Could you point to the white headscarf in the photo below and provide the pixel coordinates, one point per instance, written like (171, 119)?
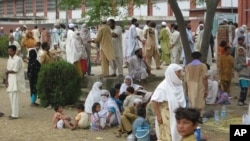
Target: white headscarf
(124, 86)
(85, 34)
(171, 90)
(93, 97)
(106, 105)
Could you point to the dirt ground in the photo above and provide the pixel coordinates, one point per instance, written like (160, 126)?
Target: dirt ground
(35, 123)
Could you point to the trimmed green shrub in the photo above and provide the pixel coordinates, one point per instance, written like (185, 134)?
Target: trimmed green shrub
(58, 83)
(4, 42)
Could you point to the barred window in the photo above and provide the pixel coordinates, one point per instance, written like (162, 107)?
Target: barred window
(29, 6)
(1, 8)
(39, 5)
(19, 7)
(9, 7)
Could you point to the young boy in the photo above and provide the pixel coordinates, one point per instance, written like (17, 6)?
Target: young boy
(60, 120)
(226, 70)
(187, 121)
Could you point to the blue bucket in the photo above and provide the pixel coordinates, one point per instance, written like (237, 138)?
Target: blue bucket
(142, 134)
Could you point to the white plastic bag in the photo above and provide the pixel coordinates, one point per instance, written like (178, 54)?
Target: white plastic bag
(131, 137)
(246, 117)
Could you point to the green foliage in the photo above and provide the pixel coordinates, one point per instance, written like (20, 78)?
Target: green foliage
(4, 41)
(98, 9)
(58, 83)
(68, 4)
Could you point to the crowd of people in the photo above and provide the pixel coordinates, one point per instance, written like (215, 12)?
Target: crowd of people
(130, 105)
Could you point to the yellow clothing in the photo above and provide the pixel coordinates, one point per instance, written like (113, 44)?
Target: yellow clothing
(195, 76)
(226, 67)
(164, 129)
(78, 66)
(165, 43)
(151, 49)
(104, 38)
(127, 119)
(83, 120)
(46, 58)
(189, 138)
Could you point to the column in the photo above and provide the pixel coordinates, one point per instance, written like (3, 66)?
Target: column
(150, 8)
(69, 14)
(240, 12)
(34, 7)
(170, 11)
(45, 10)
(14, 8)
(24, 8)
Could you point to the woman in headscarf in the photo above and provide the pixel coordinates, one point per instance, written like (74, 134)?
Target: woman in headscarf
(33, 70)
(93, 97)
(109, 114)
(76, 52)
(168, 96)
(85, 35)
(128, 82)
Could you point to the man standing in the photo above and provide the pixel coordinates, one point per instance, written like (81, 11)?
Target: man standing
(13, 42)
(68, 43)
(132, 38)
(176, 45)
(36, 34)
(190, 41)
(165, 44)
(116, 32)
(15, 82)
(104, 38)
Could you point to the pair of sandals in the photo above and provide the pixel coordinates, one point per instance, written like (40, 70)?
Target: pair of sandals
(242, 103)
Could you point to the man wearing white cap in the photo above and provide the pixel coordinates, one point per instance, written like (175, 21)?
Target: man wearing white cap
(137, 68)
(176, 45)
(104, 38)
(128, 117)
(165, 44)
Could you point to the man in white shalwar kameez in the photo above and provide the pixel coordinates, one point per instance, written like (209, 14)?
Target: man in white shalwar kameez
(15, 81)
(69, 38)
(55, 35)
(132, 39)
(137, 68)
(116, 32)
(176, 45)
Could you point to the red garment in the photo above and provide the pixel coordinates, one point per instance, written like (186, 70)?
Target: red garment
(84, 65)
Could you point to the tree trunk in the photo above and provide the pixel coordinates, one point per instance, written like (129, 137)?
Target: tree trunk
(210, 12)
(182, 27)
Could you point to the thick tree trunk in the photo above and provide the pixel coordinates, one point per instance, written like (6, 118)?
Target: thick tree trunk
(211, 8)
(182, 27)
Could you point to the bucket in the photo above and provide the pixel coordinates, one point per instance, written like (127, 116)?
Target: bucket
(142, 134)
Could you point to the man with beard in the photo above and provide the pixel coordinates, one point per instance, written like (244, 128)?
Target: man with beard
(137, 67)
(116, 32)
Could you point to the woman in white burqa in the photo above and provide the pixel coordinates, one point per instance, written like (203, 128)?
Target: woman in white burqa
(167, 97)
(93, 97)
(128, 82)
(109, 114)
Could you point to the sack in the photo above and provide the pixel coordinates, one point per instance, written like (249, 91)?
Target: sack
(131, 137)
(246, 119)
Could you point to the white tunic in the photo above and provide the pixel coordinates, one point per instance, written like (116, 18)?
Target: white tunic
(16, 80)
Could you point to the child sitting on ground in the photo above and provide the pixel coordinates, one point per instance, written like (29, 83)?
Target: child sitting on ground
(95, 119)
(61, 121)
(223, 97)
(82, 119)
(187, 121)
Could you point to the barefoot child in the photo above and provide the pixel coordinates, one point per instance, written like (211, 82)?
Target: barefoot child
(187, 121)
(81, 118)
(95, 119)
(61, 121)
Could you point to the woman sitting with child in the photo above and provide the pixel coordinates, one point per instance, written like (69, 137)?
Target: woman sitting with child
(109, 113)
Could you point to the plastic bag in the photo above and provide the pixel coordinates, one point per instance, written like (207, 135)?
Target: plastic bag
(246, 117)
